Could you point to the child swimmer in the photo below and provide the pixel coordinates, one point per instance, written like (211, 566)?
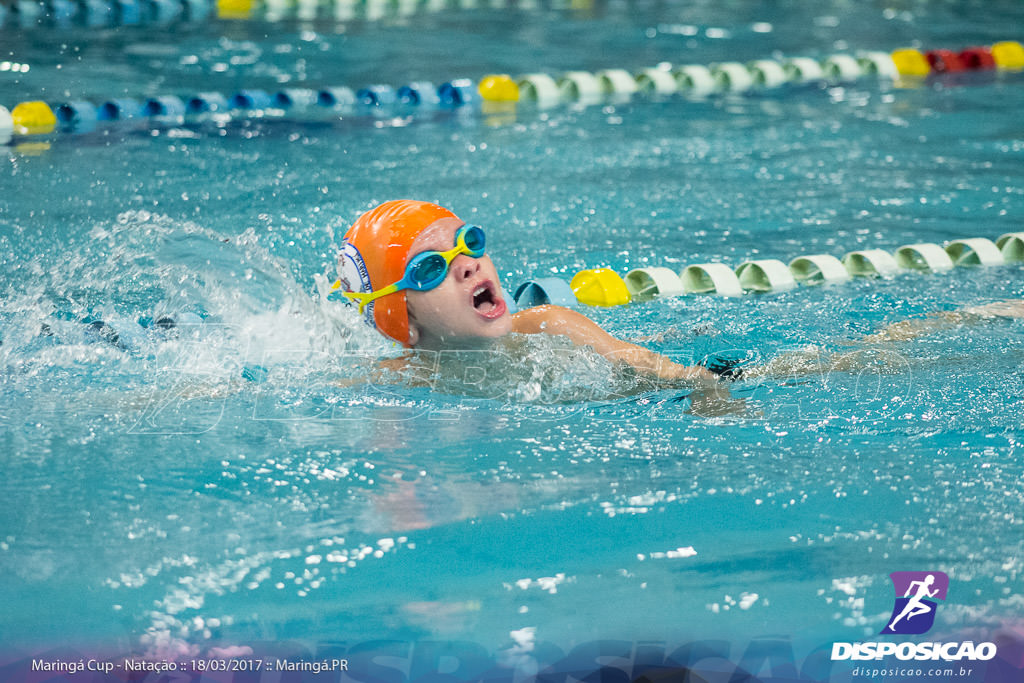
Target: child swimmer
(421, 277)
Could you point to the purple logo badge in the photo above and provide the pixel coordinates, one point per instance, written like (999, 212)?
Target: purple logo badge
(916, 596)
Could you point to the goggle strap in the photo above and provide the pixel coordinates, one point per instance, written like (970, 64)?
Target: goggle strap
(366, 297)
(360, 297)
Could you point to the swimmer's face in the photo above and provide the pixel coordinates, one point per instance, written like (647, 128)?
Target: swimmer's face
(467, 307)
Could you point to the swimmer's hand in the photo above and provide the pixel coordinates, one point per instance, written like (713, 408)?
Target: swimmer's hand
(1010, 308)
(585, 332)
(727, 367)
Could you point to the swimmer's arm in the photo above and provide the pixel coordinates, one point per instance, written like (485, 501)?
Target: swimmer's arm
(406, 369)
(906, 330)
(585, 332)
(386, 371)
(388, 365)
(813, 360)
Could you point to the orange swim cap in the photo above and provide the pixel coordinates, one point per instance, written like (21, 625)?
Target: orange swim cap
(375, 253)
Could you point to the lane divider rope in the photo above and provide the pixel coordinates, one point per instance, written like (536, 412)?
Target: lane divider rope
(499, 93)
(605, 287)
(29, 14)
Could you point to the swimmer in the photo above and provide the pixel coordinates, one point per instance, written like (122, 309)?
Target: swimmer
(421, 276)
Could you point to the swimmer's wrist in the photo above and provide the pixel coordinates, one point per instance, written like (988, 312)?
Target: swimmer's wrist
(704, 375)
(691, 373)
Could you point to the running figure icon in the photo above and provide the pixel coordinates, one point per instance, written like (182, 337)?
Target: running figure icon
(916, 596)
(915, 607)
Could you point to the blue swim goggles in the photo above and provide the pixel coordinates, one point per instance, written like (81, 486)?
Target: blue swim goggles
(428, 269)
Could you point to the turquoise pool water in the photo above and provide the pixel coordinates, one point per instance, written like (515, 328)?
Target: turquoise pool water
(234, 481)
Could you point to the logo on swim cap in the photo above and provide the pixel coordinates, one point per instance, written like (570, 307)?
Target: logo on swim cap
(353, 275)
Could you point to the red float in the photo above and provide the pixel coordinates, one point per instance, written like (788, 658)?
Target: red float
(944, 61)
(977, 58)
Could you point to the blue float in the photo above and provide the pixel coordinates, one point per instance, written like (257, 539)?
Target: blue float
(457, 93)
(419, 94)
(168, 105)
(163, 11)
(98, 13)
(77, 117)
(545, 290)
(129, 12)
(196, 9)
(119, 109)
(336, 97)
(296, 97)
(28, 12)
(376, 96)
(206, 102)
(250, 99)
(62, 11)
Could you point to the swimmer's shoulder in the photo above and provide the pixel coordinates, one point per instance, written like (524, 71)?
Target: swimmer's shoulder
(536, 319)
(554, 319)
(566, 322)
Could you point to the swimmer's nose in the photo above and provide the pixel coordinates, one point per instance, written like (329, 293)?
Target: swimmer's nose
(465, 267)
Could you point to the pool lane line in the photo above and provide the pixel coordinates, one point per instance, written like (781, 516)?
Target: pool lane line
(30, 14)
(605, 287)
(907, 67)
(499, 93)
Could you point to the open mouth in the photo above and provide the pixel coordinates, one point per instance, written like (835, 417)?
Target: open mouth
(486, 300)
